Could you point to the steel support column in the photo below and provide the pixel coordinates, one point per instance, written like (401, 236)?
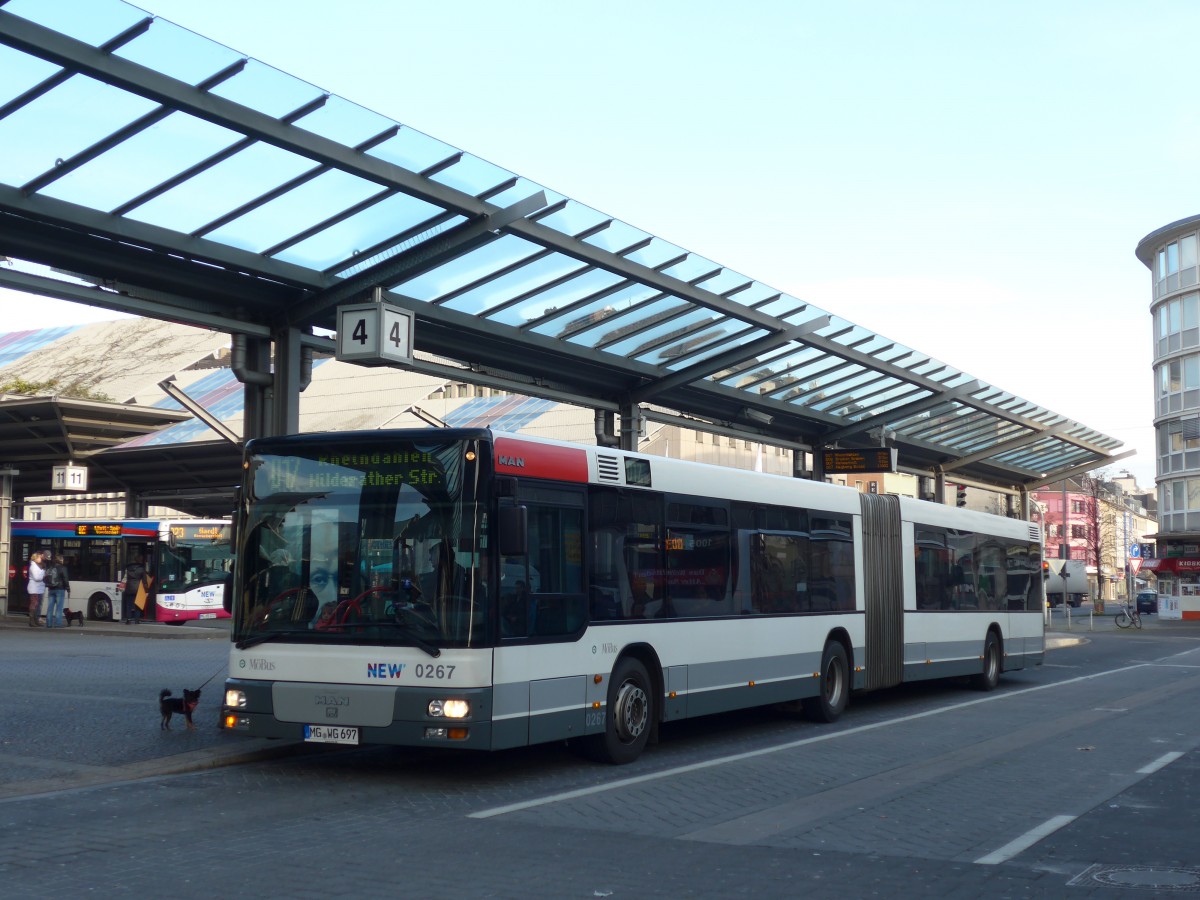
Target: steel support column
(288, 381)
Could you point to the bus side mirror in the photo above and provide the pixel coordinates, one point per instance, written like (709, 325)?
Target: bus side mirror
(512, 530)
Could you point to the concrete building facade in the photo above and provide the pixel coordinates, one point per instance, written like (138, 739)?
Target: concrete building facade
(1172, 254)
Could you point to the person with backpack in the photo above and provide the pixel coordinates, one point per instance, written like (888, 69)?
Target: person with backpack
(58, 585)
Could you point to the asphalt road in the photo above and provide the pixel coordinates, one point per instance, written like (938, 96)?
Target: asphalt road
(1076, 779)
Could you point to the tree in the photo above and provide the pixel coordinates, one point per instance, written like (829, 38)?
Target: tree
(1100, 526)
(52, 387)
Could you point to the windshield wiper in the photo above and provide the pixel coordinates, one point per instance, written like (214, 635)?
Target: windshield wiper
(418, 641)
(261, 638)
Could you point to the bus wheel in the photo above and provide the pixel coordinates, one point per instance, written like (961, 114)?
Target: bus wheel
(100, 607)
(630, 715)
(990, 676)
(834, 694)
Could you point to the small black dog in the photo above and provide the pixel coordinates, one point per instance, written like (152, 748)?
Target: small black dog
(73, 615)
(169, 705)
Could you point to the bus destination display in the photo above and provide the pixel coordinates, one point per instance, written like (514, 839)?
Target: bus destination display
(866, 459)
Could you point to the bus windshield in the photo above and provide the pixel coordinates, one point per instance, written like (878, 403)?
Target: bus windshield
(375, 544)
(195, 555)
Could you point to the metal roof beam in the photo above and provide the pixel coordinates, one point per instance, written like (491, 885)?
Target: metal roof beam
(1015, 443)
(727, 359)
(909, 409)
(421, 258)
(173, 307)
(1058, 475)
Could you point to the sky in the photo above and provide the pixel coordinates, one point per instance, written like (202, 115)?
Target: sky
(969, 180)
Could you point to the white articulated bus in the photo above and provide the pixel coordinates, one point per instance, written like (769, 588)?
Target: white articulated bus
(466, 588)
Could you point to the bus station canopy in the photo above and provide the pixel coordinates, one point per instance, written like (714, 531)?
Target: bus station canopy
(147, 169)
(38, 432)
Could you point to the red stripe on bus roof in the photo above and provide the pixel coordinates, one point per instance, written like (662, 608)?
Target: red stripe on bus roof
(535, 460)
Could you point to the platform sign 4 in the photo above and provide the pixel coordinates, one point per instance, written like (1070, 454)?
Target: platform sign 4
(374, 334)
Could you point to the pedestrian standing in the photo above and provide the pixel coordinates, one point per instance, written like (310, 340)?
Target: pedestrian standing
(134, 574)
(36, 588)
(58, 586)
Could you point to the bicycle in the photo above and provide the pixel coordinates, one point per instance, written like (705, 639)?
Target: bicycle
(1127, 617)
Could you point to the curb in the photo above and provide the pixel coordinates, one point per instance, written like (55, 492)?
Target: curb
(252, 750)
(182, 631)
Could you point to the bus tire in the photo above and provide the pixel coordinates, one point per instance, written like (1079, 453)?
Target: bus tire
(834, 689)
(630, 715)
(990, 676)
(100, 608)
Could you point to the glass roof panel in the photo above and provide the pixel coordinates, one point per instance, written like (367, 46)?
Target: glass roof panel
(675, 338)
(458, 273)
(656, 253)
(359, 263)
(61, 123)
(19, 72)
(267, 90)
(472, 175)
(545, 302)
(347, 123)
(519, 191)
(755, 294)
(727, 281)
(692, 268)
(772, 366)
(594, 311)
(353, 236)
(500, 289)
(713, 341)
(177, 52)
(85, 20)
(227, 185)
(142, 162)
(626, 328)
(574, 218)
(616, 238)
(313, 201)
(412, 150)
(790, 309)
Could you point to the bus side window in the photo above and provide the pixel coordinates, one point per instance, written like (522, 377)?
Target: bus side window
(606, 568)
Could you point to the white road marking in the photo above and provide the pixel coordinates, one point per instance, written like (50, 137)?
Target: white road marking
(1025, 841)
(790, 745)
(1165, 760)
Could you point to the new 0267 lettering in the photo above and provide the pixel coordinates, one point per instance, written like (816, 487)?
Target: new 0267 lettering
(467, 588)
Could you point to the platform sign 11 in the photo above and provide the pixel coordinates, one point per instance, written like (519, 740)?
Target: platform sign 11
(69, 478)
(374, 334)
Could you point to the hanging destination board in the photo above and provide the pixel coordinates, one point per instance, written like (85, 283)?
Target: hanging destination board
(866, 459)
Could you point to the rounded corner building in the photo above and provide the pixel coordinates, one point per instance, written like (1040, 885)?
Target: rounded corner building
(1172, 255)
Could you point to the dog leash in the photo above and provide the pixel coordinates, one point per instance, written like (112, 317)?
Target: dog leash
(212, 676)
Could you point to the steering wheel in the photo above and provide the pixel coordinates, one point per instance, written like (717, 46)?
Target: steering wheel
(283, 595)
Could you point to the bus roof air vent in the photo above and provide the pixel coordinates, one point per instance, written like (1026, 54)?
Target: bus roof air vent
(608, 468)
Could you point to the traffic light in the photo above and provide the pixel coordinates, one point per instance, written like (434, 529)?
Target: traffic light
(962, 495)
(1045, 568)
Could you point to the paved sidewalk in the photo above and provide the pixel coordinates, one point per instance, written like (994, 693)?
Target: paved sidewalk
(209, 630)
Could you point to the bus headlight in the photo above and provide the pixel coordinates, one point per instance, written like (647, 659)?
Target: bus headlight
(450, 709)
(235, 699)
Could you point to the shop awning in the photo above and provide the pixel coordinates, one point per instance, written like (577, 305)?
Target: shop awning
(1172, 566)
